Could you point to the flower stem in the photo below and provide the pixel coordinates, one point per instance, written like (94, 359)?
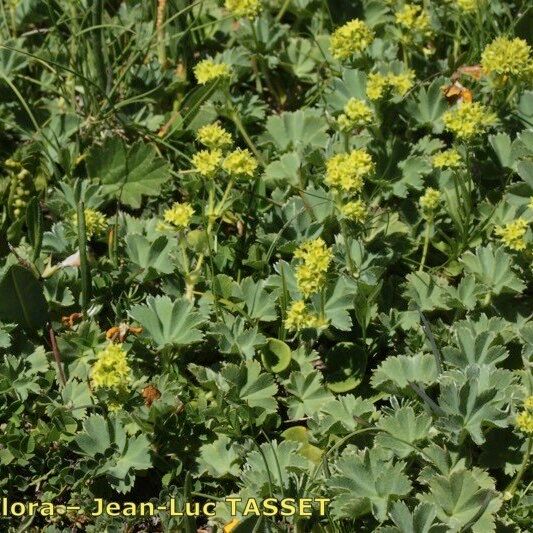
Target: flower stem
(426, 246)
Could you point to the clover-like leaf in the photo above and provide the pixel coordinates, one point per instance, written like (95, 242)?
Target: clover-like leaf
(366, 482)
(219, 458)
(168, 322)
(403, 428)
(493, 269)
(150, 257)
(127, 172)
(461, 499)
(297, 130)
(400, 370)
(307, 394)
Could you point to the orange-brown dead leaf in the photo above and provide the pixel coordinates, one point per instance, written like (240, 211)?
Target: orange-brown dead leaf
(69, 320)
(150, 393)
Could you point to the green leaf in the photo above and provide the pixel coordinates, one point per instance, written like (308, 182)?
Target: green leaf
(167, 322)
(123, 454)
(219, 459)
(259, 304)
(501, 143)
(403, 427)
(474, 399)
(474, 346)
(427, 291)
(366, 482)
(352, 85)
(400, 370)
(298, 130)
(22, 299)
(345, 366)
(421, 520)
(459, 499)
(307, 394)
(276, 355)
(284, 171)
(127, 172)
(429, 105)
(525, 171)
(339, 416)
(493, 268)
(151, 257)
(272, 466)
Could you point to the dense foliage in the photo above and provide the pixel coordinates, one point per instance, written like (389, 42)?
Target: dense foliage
(268, 249)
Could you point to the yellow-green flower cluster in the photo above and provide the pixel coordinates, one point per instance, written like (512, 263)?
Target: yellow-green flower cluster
(356, 114)
(378, 84)
(512, 234)
(311, 273)
(351, 38)
(20, 192)
(207, 70)
(355, 210)
(468, 120)
(507, 59)
(347, 171)
(179, 215)
(447, 159)
(95, 222)
(415, 19)
(214, 136)
(244, 8)
(206, 162)
(298, 317)
(111, 369)
(430, 200)
(240, 162)
(524, 420)
(468, 6)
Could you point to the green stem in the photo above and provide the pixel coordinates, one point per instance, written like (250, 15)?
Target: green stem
(284, 8)
(426, 245)
(84, 266)
(512, 487)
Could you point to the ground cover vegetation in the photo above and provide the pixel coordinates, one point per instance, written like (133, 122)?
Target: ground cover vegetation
(275, 248)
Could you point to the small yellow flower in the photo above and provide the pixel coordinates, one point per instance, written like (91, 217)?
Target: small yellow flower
(95, 222)
(207, 70)
(415, 19)
(401, 83)
(355, 210)
(468, 6)
(347, 171)
(528, 403)
(298, 317)
(111, 369)
(447, 159)
(311, 274)
(206, 162)
(468, 120)
(351, 38)
(214, 136)
(179, 215)
(430, 200)
(376, 85)
(524, 422)
(244, 8)
(512, 234)
(530, 205)
(507, 59)
(240, 162)
(356, 114)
